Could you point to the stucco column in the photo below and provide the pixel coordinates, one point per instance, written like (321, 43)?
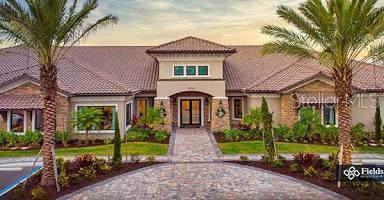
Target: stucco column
(165, 103)
(219, 121)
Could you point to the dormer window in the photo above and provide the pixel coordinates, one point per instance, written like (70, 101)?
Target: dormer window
(190, 70)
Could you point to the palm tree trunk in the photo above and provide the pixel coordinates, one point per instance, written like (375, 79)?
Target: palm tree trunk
(344, 95)
(48, 88)
(86, 137)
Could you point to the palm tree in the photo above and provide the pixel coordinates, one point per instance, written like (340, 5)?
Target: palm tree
(45, 26)
(87, 118)
(336, 33)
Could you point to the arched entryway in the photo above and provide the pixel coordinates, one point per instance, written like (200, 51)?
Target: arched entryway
(191, 109)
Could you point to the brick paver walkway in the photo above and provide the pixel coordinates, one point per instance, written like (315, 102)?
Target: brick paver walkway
(193, 145)
(194, 173)
(203, 181)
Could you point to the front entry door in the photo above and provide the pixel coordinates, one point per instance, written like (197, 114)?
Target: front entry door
(190, 112)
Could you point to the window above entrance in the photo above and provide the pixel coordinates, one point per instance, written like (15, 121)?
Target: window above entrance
(191, 70)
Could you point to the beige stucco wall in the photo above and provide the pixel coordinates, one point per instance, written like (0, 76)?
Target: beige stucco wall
(166, 88)
(273, 102)
(215, 69)
(363, 109)
(118, 101)
(213, 60)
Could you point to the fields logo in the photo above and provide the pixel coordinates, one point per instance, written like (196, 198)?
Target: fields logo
(351, 173)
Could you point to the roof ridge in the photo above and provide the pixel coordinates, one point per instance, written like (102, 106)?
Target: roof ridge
(87, 67)
(190, 37)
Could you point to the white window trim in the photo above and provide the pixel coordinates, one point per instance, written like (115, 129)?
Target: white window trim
(179, 109)
(233, 108)
(185, 71)
(125, 114)
(89, 105)
(9, 123)
(336, 117)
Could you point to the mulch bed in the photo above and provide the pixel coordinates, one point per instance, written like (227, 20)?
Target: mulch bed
(346, 189)
(52, 194)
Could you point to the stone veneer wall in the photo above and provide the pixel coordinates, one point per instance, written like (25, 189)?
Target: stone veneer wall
(168, 118)
(219, 124)
(289, 114)
(3, 121)
(62, 104)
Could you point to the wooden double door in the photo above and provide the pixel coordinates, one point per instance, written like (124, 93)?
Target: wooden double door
(190, 112)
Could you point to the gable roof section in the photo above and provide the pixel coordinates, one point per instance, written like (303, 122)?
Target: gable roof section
(73, 79)
(191, 45)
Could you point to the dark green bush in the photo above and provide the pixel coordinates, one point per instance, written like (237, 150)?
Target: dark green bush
(137, 134)
(233, 134)
(39, 194)
(357, 132)
(310, 171)
(161, 135)
(63, 137)
(282, 133)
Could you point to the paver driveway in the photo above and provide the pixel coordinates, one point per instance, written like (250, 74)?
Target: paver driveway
(193, 174)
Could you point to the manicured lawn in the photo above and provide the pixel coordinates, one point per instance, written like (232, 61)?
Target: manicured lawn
(142, 148)
(256, 147)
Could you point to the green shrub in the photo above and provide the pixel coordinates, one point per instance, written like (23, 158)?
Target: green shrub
(253, 118)
(135, 158)
(357, 132)
(74, 178)
(282, 132)
(38, 194)
(88, 173)
(321, 162)
(294, 167)
(14, 139)
(328, 176)
(277, 163)
(233, 134)
(161, 135)
(310, 171)
(333, 134)
(137, 134)
(63, 179)
(18, 193)
(151, 159)
(3, 137)
(244, 158)
(64, 137)
(153, 118)
(299, 131)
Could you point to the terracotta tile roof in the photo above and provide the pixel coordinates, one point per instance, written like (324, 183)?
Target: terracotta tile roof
(191, 45)
(88, 70)
(20, 102)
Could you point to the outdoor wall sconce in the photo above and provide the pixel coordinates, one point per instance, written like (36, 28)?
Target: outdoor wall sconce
(162, 109)
(220, 111)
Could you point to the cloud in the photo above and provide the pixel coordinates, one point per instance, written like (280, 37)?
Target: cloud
(151, 22)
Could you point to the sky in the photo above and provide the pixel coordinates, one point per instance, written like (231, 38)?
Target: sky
(152, 22)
